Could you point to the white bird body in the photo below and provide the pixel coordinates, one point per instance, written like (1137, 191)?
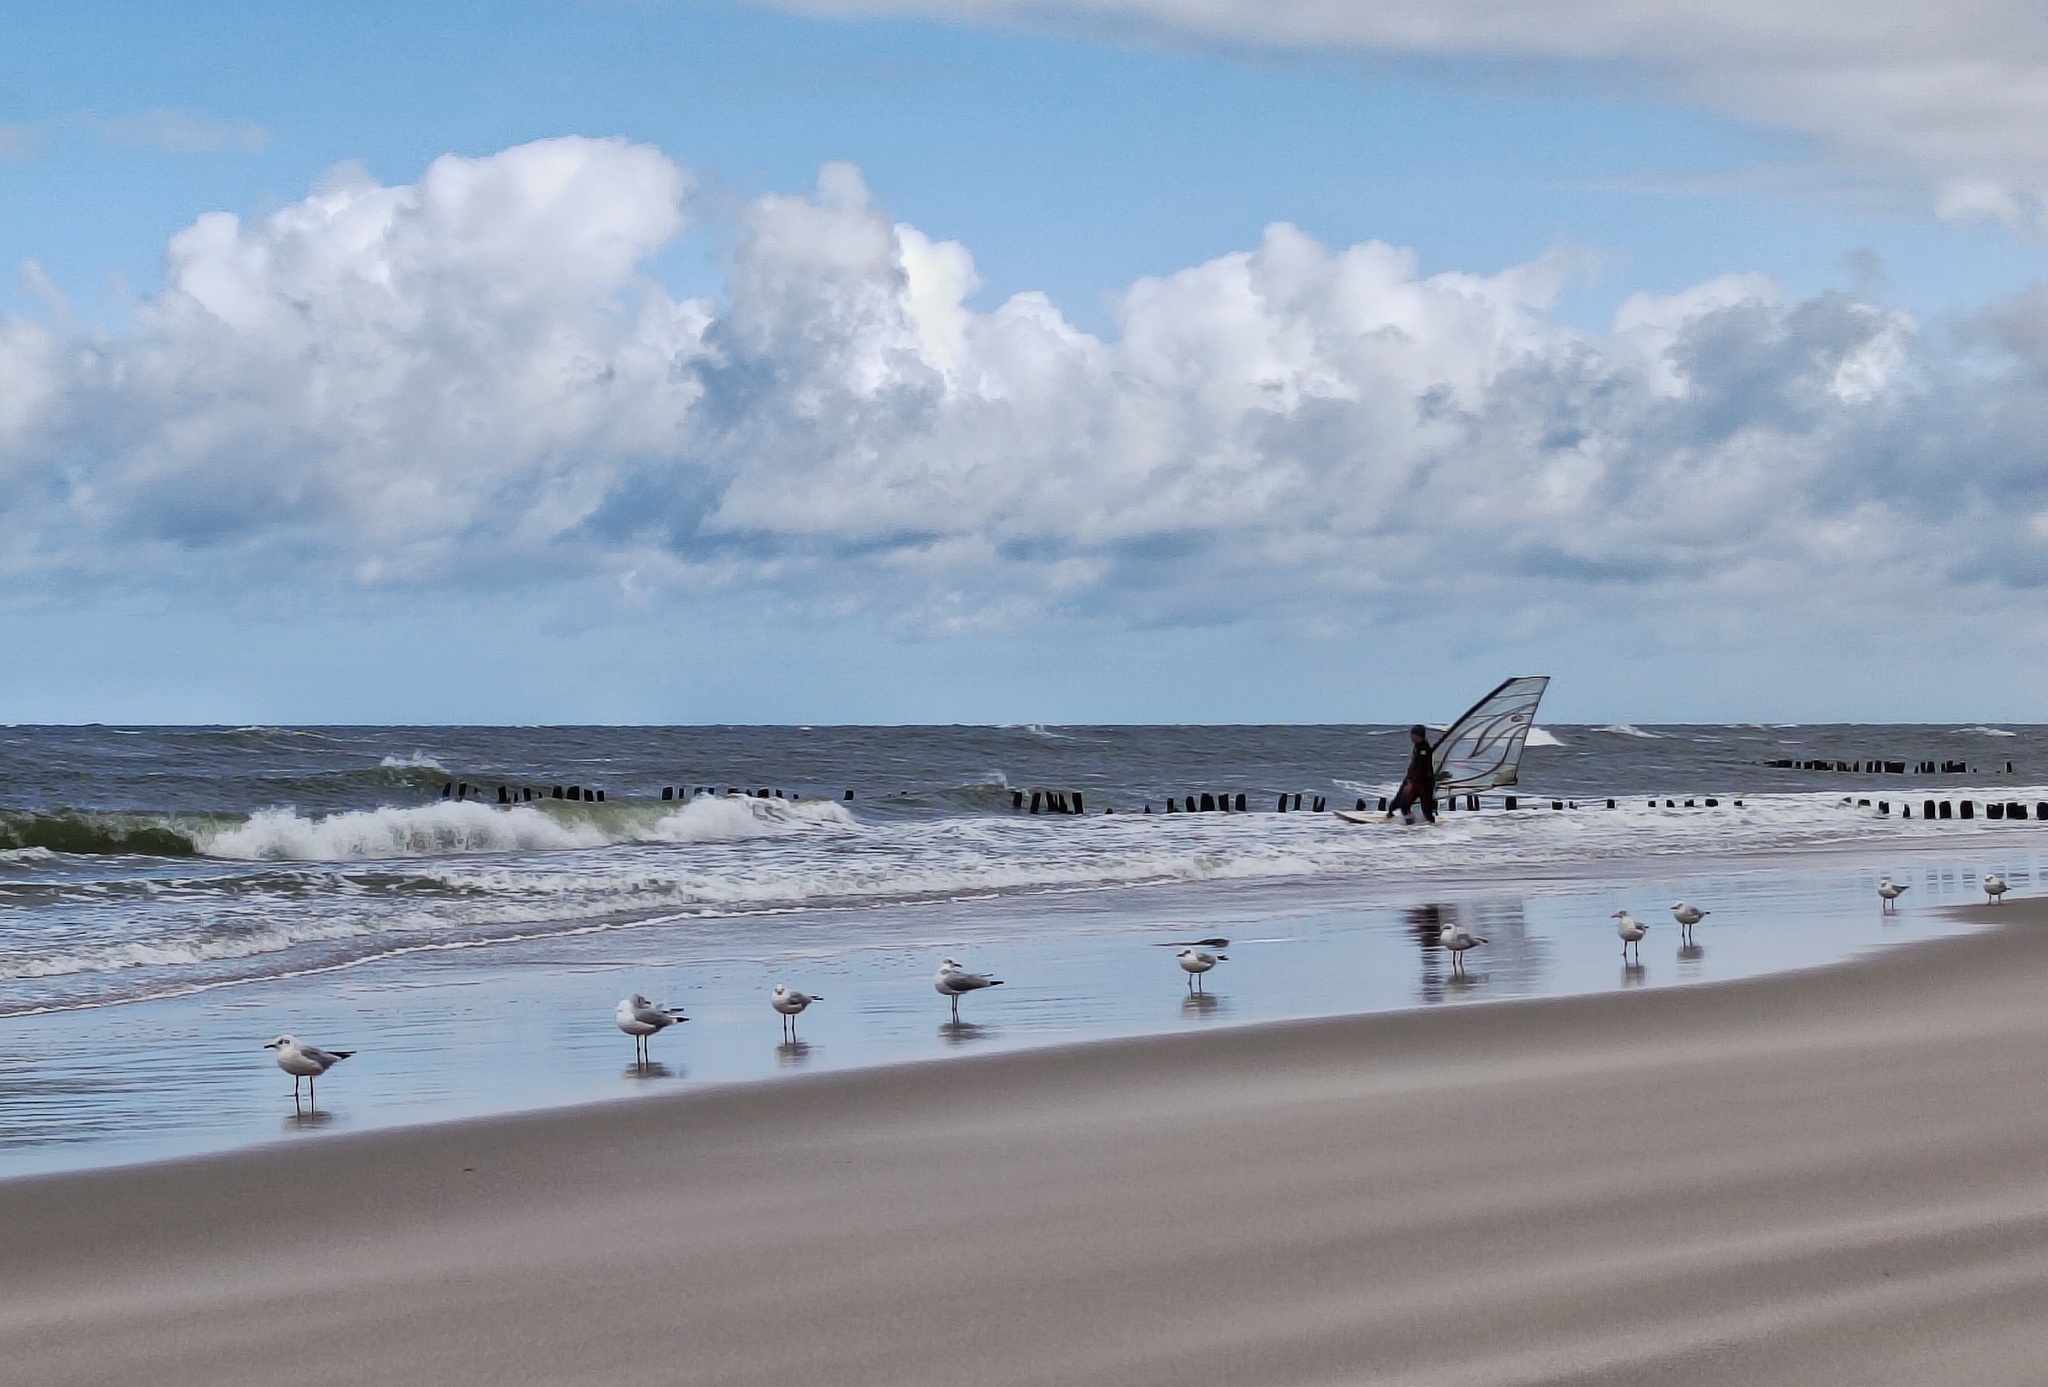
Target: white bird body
(1688, 916)
(1195, 962)
(306, 1062)
(789, 1001)
(1458, 940)
(1631, 931)
(1891, 891)
(954, 982)
(1994, 887)
(640, 1018)
(791, 1004)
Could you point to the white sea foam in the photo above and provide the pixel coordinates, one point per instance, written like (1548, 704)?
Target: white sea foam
(418, 761)
(459, 827)
(731, 858)
(428, 830)
(1625, 730)
(1541, 736)
(724, 819)
(1988, 731)
(26, 855)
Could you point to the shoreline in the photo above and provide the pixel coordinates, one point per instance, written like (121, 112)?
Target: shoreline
(476, 1032)
(1223, 1036)
(1829, 1175)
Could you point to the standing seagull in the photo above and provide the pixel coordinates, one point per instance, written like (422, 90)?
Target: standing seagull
(1994, 887)
(1195, 962)
(306, 1062)
(952, 982)
(791, 1004)
(1688, 916)
(640, 1018)
(1891, 891)
(1631, 931)
(1457, 941)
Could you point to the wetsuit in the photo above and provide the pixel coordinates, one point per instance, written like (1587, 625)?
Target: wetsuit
(1418, 787)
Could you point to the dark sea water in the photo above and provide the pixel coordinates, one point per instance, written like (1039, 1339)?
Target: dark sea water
(170, 898)
(140, 861)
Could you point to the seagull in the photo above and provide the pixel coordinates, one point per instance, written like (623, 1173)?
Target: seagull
(952, 982)
(1688, 916)
(640, 1018)
(1457, 941)
(1195, 962)
(1994, 887)
(791, 1004)
(1631, 931)
(306, 1062)
(1891, 891)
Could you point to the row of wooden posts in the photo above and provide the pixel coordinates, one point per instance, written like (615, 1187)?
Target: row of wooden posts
(524, 794)
(1878, 767)
(1071, 801)
(1961, 809)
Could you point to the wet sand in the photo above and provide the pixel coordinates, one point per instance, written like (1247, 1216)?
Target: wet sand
(1837, 1176)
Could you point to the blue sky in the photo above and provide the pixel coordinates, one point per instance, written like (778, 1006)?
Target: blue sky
(213, 547)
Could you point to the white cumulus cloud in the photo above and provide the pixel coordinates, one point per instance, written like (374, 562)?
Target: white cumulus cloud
(472, 380)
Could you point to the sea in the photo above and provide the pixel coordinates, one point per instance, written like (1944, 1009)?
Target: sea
(464, 906)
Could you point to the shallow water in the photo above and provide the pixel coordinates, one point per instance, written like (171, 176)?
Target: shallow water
(460, 1032)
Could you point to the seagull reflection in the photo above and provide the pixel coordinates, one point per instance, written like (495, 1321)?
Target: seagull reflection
(962, 1032)
(1632, 975)
(649, 1069)
(1200, 1004)
(1691, 953)
(302, 1121)
(791, 1053)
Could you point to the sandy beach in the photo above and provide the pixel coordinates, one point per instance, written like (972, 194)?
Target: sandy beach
(1834, 1176)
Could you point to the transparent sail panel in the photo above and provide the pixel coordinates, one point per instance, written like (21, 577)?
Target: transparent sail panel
(1483, 749)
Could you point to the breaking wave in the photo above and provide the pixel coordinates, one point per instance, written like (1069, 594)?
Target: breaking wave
(453, 828)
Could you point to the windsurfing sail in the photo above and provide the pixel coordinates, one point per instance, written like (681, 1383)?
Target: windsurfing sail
(1483, 749)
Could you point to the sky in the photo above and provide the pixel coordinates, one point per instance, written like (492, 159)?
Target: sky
(950, 361)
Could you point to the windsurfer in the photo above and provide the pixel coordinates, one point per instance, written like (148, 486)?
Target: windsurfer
(1418, 787)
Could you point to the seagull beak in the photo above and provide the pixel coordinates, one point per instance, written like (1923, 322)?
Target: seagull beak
(271, 1045)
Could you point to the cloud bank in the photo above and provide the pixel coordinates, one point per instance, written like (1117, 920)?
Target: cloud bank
(473, 381)
(1952, 95)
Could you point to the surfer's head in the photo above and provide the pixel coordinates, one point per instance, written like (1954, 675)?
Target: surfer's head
(1419, 732)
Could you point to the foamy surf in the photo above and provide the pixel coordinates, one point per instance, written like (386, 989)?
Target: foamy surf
(453, 828)
(131, 863)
